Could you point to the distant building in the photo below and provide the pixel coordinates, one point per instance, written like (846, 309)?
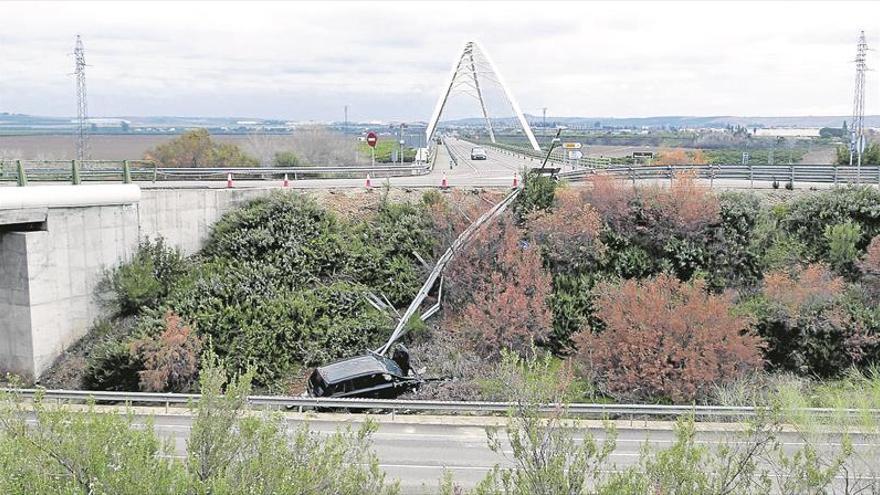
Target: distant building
(108, 123)
(787, 132)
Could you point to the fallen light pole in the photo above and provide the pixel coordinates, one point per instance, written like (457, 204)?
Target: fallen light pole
(444, 260)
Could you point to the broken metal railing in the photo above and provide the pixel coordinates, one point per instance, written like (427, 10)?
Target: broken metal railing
(444, 260)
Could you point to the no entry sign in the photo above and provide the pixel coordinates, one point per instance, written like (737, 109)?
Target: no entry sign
(372, 139)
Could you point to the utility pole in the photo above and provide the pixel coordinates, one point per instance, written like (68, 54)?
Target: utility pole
(858, 120)
(82, 112)
(544, 122)
(400, 142)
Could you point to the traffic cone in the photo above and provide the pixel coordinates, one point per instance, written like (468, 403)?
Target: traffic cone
(443, 183)
(229, 180)
(286, 183)
(515, 181)
(369, 184)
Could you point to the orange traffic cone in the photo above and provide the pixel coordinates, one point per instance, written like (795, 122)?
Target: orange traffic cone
(286, 183)
(515, 181)
(229, 180)
(369, 184)
(443, 183)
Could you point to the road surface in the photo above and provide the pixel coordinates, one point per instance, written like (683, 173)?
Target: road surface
(417, 449)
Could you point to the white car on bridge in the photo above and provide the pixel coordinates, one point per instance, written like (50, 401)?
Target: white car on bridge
(478, 154)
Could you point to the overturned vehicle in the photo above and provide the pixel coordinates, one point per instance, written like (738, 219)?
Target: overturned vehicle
(371, 375)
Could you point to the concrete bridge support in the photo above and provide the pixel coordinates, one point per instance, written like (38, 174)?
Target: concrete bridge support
(57, 242)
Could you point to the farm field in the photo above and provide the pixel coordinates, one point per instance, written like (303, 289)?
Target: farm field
(103, 147)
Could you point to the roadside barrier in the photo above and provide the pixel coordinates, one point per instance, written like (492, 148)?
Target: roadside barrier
(656, 411)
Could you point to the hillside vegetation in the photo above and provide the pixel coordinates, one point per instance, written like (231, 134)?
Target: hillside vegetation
(671, 294)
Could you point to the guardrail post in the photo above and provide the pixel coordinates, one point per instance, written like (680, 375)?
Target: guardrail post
(632, 176)
(711, 176)
(835, 174)
(751, 177)
(791, 177)
(155, 171)
(126, 172)
(74, 173)
(22, 176)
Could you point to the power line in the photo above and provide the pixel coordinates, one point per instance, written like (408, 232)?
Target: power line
(82, 110)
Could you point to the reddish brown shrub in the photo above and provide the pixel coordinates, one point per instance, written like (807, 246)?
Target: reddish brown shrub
(666, 339)
(685, 207)
(571, 229)
(680, 156)
(453, 213)
(610, 197)
(815, 284)
(503, 288)
(870, 263)
(171, 360)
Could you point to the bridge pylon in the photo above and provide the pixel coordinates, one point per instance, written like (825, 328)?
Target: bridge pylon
(471, 72)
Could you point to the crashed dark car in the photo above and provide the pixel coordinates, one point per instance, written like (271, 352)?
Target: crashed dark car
(369, 376)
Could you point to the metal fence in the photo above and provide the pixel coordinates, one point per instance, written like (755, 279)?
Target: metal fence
(656, 411)
(23, 171)
(781, 174)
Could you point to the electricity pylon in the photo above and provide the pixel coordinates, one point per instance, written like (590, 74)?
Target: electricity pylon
(82, 110)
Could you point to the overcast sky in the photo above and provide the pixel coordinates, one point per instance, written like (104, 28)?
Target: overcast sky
(388, 60)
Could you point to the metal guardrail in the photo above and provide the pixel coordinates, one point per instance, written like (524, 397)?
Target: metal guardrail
(404, 405)
(783, 173)
(118, 171)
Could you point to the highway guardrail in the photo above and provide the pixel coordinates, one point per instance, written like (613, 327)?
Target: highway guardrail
(597, 410)
(782, 173)
(103, 170)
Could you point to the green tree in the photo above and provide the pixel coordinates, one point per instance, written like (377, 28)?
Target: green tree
(871, 156)
(195, 148)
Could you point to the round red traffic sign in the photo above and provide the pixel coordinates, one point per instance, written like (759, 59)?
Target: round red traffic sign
(372, 139)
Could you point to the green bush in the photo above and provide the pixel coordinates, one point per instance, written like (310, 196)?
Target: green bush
(843, 240)
(111, 366)
(147, 278)
(287, 230)
(808, 216)
(732, 260)
(286, 159)
(537, 194)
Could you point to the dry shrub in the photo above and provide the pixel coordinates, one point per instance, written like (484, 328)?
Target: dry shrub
(680, 156)
(610, 197)
(870, 268)
(666, 339)
(870, 264)
(815, 284)
(810, 323)
(451, 356)
(572, 228)
(502, 287)
(171, 360)
(451, 214)
(685, 207)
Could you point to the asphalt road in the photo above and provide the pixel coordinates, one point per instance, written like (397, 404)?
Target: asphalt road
(417, 449)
